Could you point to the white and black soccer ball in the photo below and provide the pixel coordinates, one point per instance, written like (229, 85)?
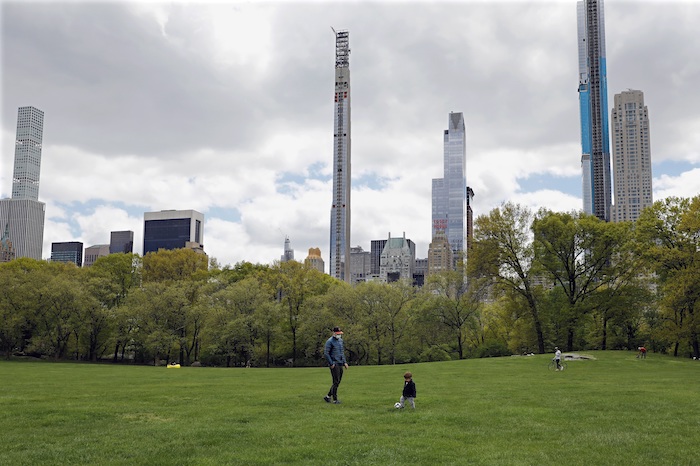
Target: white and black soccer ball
(397, 405)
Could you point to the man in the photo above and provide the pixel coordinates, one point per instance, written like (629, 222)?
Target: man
(642, 352)
(335, 355)
(557, 357)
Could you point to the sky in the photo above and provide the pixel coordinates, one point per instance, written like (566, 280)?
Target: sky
(227, 108)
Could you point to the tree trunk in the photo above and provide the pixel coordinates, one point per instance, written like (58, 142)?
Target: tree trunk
(604, 343)
(570, 339)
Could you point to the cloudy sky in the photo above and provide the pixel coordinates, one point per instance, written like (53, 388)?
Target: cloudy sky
(227, 108)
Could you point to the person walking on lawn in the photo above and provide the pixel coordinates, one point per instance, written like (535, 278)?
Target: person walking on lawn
(334, 352)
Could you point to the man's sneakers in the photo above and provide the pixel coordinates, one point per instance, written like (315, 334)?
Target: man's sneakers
(327, 399)
(336, 402)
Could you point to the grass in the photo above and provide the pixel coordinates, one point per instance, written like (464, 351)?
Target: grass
(614, 410)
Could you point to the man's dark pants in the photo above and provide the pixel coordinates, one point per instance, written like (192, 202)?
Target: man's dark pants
(337, 374)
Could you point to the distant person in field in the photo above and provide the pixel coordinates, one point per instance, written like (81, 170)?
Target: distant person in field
(409, 391)
(557, 357)
(642, 352)
(334, 351)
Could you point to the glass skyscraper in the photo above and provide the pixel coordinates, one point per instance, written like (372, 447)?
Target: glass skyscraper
(23, 214)
(449, 193)
(593, 102)
(340, 211)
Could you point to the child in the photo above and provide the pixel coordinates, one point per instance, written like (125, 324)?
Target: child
(409, 390)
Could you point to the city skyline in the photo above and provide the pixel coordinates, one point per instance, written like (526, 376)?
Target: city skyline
(224, 108)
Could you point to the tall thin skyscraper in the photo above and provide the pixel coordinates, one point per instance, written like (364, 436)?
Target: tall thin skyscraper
(449, 193)
(30, 133)
(593, 102)
(23, 215)
(340, 211)
(631, 156)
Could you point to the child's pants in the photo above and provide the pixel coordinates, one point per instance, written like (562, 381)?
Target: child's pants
(410, 400)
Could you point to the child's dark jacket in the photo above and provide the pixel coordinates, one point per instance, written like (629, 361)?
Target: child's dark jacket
(409, 389)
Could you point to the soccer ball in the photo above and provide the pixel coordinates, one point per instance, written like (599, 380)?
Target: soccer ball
(397, 405)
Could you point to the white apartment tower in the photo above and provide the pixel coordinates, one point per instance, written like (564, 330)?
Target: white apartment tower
(631, 156)
(23, 214)
(340, 211)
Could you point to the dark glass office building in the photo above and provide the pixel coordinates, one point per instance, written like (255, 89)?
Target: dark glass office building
(121, 241)
(172, 229)
(70, 251)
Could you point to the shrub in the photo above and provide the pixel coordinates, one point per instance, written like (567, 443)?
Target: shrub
(493, 349)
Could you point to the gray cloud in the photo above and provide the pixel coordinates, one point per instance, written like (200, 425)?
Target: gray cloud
(209, 106)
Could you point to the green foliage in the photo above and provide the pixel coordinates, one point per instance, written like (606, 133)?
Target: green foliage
(174, 265)
(531, 282)
(435, 353)
(668, 239)
(493, 349)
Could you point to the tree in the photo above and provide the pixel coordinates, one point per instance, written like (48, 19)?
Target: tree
(160, 310)
(369, 301)
(396, 307)
(108, 282)
(454, 304)
(669, 241)
(60, 294)
(174, 265)
(295, 283)
(583, 255)
(503, 251)
(19, 280)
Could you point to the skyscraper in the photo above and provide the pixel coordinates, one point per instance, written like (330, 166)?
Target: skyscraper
(23, 214)
(30, 133)
(376, 248)
(340, 211)
(449, 193)
(173, 229)
(631, 156)
(593, 103)
(288, 251)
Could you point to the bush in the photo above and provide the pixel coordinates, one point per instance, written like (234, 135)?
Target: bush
(435, 353)
(493, 349)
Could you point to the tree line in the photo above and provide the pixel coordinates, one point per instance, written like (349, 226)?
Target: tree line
(532, 280)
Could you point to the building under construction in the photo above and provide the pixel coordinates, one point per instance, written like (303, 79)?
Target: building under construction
(340, 211)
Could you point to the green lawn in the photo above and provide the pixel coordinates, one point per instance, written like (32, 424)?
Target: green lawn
(614, 410)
